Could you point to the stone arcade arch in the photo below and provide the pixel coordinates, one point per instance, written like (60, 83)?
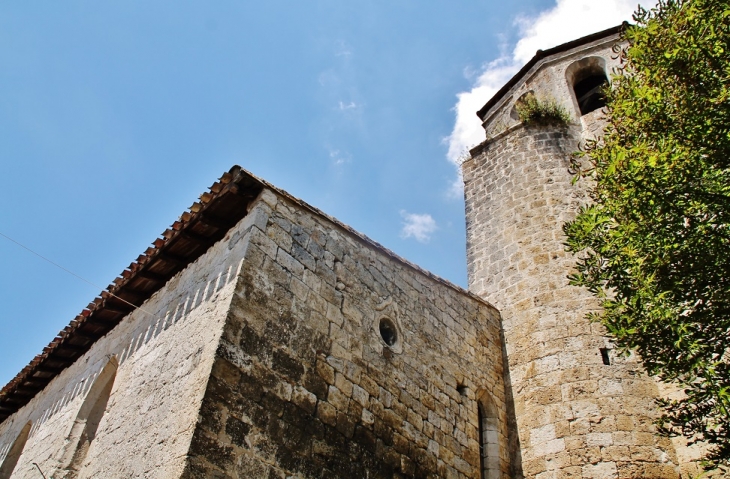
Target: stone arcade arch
(88, 419)
(11, 460)
(488, 421)
(587, 77)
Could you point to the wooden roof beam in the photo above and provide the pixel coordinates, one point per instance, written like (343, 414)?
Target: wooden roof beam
(215, 222)
(87, 335)
(196, 238)
(51, 369)
(153, 276)
(172, 258)
(118, 309)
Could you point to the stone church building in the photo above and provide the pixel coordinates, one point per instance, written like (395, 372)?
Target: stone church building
(261, 338)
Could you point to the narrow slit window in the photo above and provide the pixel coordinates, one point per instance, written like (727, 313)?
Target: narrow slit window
(482, 449)
(489, 456)
(605, 356)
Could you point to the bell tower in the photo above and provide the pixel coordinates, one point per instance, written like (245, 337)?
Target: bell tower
(581, 411)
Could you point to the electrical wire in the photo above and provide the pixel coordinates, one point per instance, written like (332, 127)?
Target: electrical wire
(71, 272)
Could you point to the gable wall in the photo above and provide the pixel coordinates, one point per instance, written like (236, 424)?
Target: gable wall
(304, 386)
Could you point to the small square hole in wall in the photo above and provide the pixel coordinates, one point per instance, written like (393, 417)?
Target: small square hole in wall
(462, 389)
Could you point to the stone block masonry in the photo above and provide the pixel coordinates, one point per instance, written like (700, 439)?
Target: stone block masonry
(305, 385)
(297, 348)
(294, 347)
(576, 416)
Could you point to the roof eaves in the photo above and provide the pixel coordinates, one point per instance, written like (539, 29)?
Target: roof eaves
(236, 189)
(197, 229)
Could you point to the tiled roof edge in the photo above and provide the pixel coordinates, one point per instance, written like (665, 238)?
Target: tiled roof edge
(232, 182)
(24, 386)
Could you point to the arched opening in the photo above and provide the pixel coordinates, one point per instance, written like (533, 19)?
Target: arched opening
(489, 454)
(11, 460)
(521, 101)
(86, 425)
(587, 78)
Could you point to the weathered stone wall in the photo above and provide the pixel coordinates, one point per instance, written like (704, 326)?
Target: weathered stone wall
(576, 416)
(165, 352)
(303, 385)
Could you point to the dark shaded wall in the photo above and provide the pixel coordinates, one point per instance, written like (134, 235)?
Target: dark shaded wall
(303, 383)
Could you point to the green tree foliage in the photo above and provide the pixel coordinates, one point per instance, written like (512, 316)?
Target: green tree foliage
(654, 246)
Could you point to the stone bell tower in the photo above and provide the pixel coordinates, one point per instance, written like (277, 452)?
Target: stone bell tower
(581, 411)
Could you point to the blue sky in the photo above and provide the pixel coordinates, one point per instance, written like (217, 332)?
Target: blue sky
(115, 116)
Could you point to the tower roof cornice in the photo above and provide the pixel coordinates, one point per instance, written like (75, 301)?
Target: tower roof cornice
(541, 55)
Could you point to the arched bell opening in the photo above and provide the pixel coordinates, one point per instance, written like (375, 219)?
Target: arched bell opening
(587, 79)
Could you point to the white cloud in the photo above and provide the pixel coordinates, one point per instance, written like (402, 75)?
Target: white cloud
(468, 130)
(340, 95)
(347, 106)
(417, 226)
(339, 157)
(342, 49)
(568, 20)
(565, 21)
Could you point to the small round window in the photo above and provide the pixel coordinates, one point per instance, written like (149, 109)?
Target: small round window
(388, 331)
